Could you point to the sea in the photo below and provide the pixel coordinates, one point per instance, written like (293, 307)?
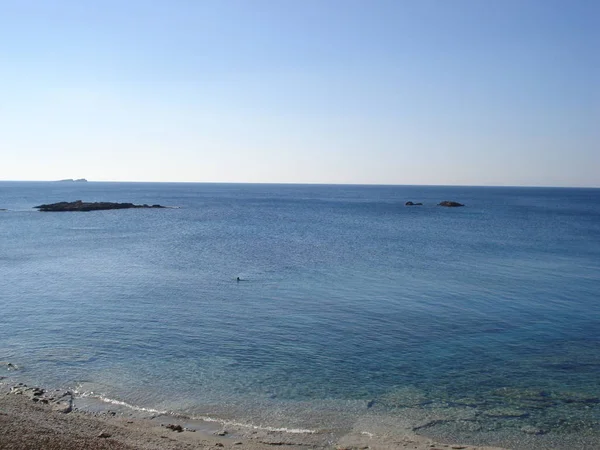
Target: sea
(352, 311)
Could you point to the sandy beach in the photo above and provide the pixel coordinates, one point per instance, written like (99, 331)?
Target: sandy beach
(31, 418)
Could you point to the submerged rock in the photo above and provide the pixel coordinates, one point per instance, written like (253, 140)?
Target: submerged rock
(413, 204)
(79, 205)
(450, 204)
(505, 413)
(402, 397)
(528, 429)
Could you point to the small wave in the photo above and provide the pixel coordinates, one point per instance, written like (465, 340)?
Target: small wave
(203, 418)
(255, 427)
(118, 402)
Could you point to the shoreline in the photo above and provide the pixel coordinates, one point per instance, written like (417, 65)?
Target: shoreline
(441, 426)
(34, 418)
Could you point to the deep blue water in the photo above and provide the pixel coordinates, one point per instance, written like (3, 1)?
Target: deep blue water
(350, 301)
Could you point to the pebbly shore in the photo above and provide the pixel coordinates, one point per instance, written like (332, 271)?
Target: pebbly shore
(34, 418)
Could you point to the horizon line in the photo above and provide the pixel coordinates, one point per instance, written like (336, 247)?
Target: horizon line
(291, 183)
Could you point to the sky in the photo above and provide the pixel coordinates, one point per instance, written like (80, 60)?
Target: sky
(443, 92)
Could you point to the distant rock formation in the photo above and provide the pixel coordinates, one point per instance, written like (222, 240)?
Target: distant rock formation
(413, 204)
(78, 180)
(450, 204)
(79, 205)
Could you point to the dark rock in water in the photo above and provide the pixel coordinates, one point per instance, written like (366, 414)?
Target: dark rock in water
(450, 204)
(506, 413)
(528, 429)
(413, 204)
(79, 205)
(177, 428)
(104, 435)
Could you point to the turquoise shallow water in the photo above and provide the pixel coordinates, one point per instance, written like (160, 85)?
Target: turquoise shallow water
(351, 305)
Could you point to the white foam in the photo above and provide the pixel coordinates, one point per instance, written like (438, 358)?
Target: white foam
(255, 427)
(203, 418)
(118, 402)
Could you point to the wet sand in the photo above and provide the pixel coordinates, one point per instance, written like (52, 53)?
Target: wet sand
(30, 419)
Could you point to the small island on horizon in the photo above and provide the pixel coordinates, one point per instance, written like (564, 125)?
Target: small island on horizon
(79, 205)
(73, 180)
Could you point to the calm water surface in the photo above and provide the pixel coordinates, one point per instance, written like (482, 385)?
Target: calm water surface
(351, 305)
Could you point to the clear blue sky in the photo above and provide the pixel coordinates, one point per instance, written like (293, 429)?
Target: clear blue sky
(472, 92)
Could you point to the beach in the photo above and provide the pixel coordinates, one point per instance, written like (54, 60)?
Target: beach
(26, 423)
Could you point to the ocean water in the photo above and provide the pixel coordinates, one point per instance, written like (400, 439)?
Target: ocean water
(352, 307)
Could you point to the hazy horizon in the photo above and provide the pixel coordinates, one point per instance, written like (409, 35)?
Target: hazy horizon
(464, 93)
(308, 184)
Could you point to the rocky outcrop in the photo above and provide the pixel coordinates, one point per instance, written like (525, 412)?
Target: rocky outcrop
(413, 204)
(450, 204)
(31, 392)
(79, 205)
(61, 402)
